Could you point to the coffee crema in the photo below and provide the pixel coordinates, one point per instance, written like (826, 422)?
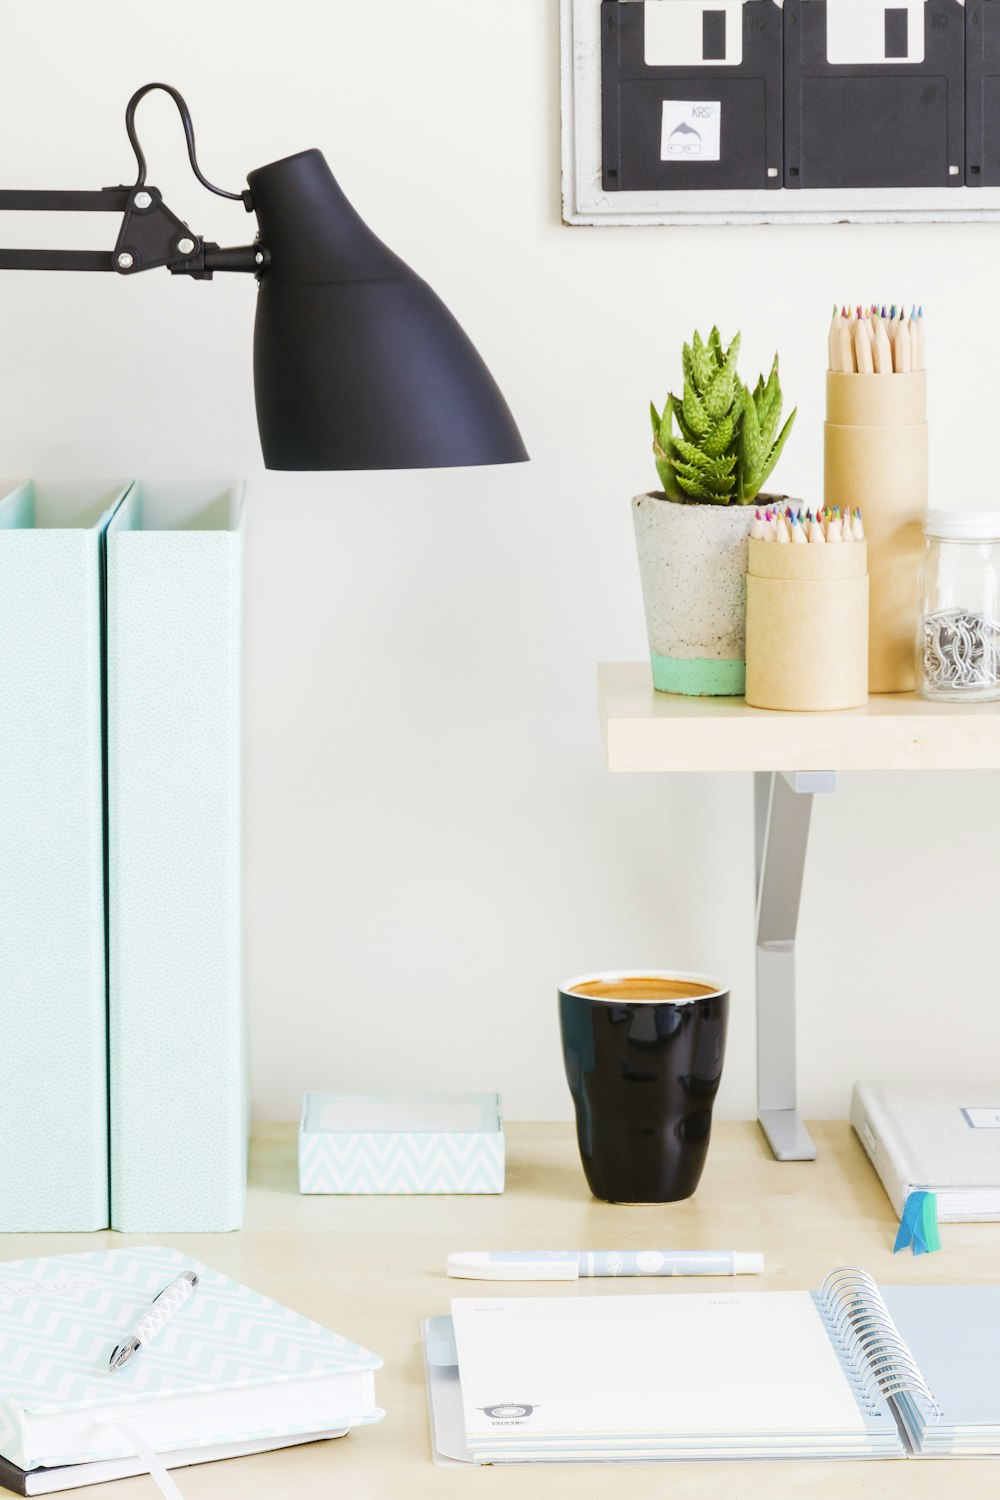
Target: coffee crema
(640, 987)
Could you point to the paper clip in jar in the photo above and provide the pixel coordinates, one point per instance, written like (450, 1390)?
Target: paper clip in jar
(958, 636)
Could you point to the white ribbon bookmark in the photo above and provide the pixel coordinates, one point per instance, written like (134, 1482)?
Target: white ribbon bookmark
(158, 1471)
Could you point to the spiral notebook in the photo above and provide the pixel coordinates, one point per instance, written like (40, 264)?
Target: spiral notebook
(851, 1371)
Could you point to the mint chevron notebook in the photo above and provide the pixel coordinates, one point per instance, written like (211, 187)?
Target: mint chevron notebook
(230, 1367)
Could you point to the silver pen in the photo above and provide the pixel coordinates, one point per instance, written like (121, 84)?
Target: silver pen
(158, 1313)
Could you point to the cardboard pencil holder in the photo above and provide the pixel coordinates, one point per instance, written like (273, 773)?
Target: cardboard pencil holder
(876, 458)
(807, 626)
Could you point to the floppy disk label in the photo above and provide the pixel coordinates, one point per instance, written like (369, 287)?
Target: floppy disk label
(875, 31)
(692, 130)
(694, 33)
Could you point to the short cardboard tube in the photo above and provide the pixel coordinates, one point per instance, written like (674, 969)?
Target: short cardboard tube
(807, 627)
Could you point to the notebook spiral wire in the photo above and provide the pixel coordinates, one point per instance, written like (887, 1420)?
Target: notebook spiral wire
(879, 1357)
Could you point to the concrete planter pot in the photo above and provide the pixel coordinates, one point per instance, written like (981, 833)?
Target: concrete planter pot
(693, 566)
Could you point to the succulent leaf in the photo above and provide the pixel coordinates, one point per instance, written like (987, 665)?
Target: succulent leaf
(665, 431)
(718, 488)
(769, 408)
(720, 440)
(695, 415)
(769, 425)
(774, 455)
(668, 480)
(696, 490)
(703, 364)
(721, 468)
(685, 431)
(722, 387)
(751, 451)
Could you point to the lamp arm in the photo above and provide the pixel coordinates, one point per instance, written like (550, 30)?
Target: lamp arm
(150, 235)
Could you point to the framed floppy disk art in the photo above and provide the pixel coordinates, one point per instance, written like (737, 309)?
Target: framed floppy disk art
(770, 111)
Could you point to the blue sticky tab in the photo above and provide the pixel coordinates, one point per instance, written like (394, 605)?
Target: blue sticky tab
(907, 1223)
(919, 1225)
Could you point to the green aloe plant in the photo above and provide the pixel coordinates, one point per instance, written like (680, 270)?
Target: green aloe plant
(726, 442)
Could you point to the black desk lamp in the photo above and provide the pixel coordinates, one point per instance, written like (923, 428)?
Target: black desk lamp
(357, 363)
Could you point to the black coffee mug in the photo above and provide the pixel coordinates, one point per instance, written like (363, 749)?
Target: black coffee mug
(643, 1054)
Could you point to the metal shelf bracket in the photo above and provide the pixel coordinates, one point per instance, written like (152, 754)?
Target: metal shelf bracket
(782, 812)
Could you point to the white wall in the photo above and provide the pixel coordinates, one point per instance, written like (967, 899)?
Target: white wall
(432, 839)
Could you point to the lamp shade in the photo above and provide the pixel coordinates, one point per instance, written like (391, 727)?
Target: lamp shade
(357, 363)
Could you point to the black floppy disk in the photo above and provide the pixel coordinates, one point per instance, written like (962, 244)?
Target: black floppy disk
(874, 93)
(982, 93)
(691, 94)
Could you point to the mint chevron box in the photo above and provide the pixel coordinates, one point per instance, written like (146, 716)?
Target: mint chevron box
(401, 1143)
(54, 1099)
(177, 1048)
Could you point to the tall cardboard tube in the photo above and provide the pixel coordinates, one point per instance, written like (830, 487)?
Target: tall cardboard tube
(876, 458)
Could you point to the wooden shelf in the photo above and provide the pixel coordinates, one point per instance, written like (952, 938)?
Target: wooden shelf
(648, 731)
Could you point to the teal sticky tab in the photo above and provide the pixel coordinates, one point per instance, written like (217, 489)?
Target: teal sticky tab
(928, 1238)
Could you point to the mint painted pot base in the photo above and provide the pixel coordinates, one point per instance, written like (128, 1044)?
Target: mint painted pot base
(693, 565)
(699, 678)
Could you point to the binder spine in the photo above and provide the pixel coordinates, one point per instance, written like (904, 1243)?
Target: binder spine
(177, 1047)
(876, 1355)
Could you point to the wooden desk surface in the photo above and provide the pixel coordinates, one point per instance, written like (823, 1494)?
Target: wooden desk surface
(372, 1267)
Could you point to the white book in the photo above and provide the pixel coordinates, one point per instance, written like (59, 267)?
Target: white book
(942, 1138)
(231, 1367)
(80, 1476)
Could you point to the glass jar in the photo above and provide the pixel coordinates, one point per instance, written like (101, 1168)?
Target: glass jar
(958, 635)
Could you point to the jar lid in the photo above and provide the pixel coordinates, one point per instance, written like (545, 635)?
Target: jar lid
(955, 525)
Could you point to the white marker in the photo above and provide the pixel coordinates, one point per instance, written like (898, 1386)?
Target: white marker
(567, 1265)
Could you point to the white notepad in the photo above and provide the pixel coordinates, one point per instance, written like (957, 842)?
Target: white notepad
(740, 1363)
(845, 1372)
(697, 1375)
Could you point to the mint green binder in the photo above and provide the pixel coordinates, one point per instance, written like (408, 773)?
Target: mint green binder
(179, 1111)
(53, 1102)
